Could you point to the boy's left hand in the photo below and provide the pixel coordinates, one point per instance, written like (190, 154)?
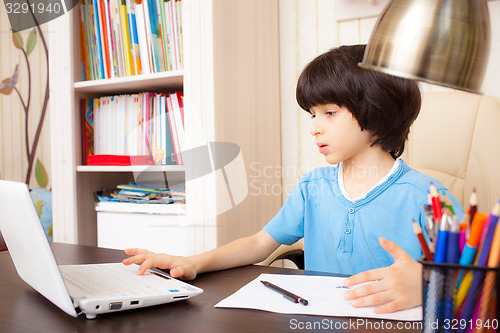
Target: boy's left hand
(396, 287)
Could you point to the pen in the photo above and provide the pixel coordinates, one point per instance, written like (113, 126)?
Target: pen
(462, 288)
(452, 256)
(437, 294)
(464, 226)
(286, 294)
(488, 257)
(452, 246)
(489, 281)
(442, 240)
(470, 304)
(471, 246)
(472, 243)
(430, 227)
(489, 232)
(489, 227)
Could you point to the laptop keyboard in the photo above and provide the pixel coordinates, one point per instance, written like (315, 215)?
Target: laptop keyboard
(114, 280)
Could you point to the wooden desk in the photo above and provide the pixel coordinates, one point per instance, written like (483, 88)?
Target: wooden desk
(22, 309)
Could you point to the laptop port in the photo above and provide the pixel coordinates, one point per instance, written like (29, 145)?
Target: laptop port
(180, 297)
(134, 303)
(115, 306)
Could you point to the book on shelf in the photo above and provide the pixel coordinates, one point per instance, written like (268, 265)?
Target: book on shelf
(151, 187)
(84, 52)
(176, 125)
(120, 160)
(144, 51)
(117, 38)
(134, 46)
(98, 39)
(144, 197)
(144, 128)
(129, 37)
(127, 42)
(103, 30)
(87, 121)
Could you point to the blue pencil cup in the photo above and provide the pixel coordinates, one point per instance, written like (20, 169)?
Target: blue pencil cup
(457, 298)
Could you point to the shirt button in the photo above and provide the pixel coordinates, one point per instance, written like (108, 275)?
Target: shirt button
(347, 231)
(351, 210)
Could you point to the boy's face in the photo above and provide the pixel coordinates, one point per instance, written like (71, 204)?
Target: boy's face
(338, 134)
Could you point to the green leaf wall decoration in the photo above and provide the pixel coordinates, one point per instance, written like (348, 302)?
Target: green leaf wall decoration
(31, 41)
(8, 85)
(17, 39)
(41, 174)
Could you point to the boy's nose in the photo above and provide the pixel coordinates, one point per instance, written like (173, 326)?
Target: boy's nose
(316, 130)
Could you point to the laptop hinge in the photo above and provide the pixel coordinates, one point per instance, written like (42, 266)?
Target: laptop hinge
(76, 304)
(78, 311)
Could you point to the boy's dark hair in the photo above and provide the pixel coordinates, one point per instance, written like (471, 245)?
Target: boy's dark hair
(381, 103)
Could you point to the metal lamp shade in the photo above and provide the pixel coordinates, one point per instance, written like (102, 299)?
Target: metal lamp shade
(445, 42)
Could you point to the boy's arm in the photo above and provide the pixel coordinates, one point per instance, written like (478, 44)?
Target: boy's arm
(240, 252)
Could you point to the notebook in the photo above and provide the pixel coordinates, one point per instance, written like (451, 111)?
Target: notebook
(91, 289)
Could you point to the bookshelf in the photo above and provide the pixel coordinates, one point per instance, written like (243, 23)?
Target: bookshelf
(230, 82)
(131, 168)
(128, 84)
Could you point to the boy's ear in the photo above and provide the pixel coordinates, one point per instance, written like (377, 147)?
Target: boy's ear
(373, 139)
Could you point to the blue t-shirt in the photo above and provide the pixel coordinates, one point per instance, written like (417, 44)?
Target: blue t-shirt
(341, 236)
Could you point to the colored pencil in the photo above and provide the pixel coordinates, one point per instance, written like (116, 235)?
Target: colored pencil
(489, 281)
(423, 243)
(448, 204)
(470, 302)
(464, 226)
(436, 202)
(472, 206)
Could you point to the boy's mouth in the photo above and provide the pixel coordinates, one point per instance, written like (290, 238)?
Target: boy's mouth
(322, 147)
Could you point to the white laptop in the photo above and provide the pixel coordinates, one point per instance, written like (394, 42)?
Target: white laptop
(90, 289)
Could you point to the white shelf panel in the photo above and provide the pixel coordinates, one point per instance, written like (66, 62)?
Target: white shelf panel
(127, 207)
(129, 84)
(155, 232)
(131, 168)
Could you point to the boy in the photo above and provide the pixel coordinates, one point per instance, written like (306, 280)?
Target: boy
(361, 120)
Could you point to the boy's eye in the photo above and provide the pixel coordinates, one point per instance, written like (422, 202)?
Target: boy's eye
(323, 112)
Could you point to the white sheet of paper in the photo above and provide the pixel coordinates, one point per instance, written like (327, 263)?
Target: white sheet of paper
(324, 293)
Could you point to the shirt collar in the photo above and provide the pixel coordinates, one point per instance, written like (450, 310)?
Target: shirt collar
(340, 179)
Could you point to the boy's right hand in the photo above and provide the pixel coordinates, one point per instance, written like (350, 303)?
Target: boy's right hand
(179, 267)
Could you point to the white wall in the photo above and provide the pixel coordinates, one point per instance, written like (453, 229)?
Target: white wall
(307, 29)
